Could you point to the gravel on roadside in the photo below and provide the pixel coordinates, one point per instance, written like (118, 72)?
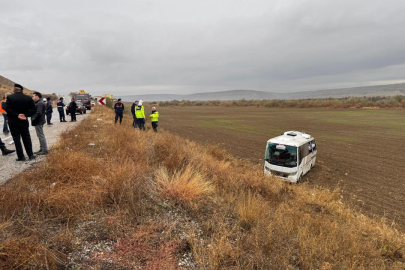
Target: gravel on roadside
(9, 167)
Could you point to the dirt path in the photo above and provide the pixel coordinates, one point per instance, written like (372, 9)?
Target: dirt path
(9, 167)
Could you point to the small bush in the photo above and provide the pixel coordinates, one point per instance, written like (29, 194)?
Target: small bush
(186, 186)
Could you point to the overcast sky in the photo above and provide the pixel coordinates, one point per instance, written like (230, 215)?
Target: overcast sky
(187, 46)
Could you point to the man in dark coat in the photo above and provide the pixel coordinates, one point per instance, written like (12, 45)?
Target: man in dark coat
(49, 111)
(61, 110)
(4, 150)
(119, 111)
(38, 121)
(135, 122)
(72, 110)
(19, 107)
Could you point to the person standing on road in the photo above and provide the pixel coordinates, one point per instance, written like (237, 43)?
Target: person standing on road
(119, 111)
(4, 150)
(154, 118)
(61, 110)
(4, 113)
(18, 107)
(72, 110)
(38, 121)
(135, 122)
(140, 115)
(49, 111)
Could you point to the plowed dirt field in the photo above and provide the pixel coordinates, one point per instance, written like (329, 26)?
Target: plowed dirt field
(360, 151)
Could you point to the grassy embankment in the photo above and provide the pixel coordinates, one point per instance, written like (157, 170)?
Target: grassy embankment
(3, 90)
(157, 201)
(350, 102)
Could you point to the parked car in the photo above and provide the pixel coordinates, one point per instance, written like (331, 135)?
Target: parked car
(80, 108)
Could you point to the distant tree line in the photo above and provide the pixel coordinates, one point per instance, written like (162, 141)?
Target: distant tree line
(347, 102)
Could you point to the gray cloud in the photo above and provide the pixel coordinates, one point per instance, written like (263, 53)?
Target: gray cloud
(179, 46)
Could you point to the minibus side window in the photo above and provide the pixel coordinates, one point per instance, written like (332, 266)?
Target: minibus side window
(304, 151)
(313, 145)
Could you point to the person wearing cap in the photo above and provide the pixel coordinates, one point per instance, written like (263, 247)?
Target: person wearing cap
(18, 107)
(119, 111)
(154, 118)
(135, 122)
(140, 115)
(61, 110)
(38, 121)
(4, 113)
(49, 111)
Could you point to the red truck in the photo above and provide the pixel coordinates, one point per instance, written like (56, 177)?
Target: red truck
(84, 98)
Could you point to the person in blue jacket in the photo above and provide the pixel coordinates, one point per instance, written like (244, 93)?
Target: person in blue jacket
(119, 111)
(61, 110)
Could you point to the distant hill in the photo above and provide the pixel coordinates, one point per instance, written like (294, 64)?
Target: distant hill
(7, 85)
(4, 82)
(377, 90)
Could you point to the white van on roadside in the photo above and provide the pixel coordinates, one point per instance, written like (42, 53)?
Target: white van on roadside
(290, 156)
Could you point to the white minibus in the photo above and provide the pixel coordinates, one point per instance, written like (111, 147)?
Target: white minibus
(290, 156)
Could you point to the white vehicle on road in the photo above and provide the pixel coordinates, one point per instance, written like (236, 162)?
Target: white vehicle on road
(290, 156)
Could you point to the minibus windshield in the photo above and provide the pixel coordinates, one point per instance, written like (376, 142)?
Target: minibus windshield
(281, 155)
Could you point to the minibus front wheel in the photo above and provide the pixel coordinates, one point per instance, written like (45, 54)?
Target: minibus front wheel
(300, 178)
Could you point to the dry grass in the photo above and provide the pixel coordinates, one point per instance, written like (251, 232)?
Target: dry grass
(153, 201)
(186, 186)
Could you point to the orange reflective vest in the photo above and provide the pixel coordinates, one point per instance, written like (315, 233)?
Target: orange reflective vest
(2, 111)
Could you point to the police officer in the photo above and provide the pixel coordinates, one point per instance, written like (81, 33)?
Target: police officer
(4, 150)
(61, 110)
(140, 115)
(119, 111)
(135, 122)
(49, 111)
(154, 118)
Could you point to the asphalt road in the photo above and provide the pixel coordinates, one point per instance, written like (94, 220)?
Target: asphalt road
(9, 167)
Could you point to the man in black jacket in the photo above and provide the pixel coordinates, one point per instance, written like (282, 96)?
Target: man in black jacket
(61, 110)
(119, 111)
(38, 121)
(72, 110)
(19, 107)
(135, 122)
(4, 150)
(49, 111)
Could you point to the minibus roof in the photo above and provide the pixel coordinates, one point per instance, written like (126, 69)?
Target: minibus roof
(292, 138)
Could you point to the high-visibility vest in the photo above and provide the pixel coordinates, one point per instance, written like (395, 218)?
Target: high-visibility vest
(2, 111)
(154, 117)
(139, 112)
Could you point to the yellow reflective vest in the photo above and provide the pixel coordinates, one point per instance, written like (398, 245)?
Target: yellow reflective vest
(139, 112)
(154, 117)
